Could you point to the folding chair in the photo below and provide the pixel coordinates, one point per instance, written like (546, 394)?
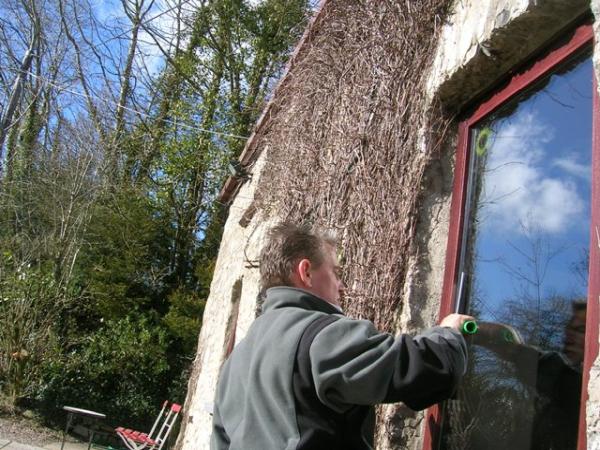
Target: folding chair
(136, 440)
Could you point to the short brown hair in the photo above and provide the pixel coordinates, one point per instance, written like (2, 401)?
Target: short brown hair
(287, 244)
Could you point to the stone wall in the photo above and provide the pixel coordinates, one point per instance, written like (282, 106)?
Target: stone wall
(482, 40)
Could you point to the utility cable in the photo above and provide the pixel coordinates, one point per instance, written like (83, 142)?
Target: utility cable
(143, 114)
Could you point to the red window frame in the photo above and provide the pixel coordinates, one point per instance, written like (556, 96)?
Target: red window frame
(582, 37)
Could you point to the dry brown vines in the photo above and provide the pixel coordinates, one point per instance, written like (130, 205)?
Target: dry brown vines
(345, 149)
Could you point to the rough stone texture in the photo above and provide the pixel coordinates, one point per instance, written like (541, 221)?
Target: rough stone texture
(249, 307)
(432, 240)
(483, 40)
(593, 408)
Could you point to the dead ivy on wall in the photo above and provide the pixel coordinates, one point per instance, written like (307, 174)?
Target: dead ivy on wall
(346, 147)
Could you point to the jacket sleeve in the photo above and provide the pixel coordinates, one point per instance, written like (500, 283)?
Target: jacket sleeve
(354, 364)
(219, 439)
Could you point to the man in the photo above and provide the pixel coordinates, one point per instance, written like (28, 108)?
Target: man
(306, 376)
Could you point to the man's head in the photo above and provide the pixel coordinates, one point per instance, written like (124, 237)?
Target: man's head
(298, 256)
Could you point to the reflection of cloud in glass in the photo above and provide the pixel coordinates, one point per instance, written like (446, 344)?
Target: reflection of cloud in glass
(574, 168)
(518, 193)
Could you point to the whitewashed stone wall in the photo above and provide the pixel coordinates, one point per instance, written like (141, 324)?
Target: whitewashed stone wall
(593, 408)
(481, 41)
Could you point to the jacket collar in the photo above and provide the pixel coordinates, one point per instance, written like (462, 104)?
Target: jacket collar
(290, 297)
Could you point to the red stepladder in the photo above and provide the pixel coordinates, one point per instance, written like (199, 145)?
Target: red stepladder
(156, 438)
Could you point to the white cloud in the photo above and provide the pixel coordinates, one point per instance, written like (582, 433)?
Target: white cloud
(518, 192)
(574, 168)
(107, 10)
(164, 21)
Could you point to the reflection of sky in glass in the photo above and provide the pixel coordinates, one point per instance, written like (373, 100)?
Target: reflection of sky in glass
(525, 260)
(531, 202)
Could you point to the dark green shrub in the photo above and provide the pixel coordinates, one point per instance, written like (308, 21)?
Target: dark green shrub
(120, 370)
(184, 318)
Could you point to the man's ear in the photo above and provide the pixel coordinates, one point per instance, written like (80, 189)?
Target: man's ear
(304, 267)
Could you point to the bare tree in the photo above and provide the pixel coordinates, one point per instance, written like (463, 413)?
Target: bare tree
(7, 118)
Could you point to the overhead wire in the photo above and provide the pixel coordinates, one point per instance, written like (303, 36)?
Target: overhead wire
(141, 113)
(107, 101)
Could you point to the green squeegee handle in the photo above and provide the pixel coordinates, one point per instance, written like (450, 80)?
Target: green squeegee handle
(469, 327)
(491, 333)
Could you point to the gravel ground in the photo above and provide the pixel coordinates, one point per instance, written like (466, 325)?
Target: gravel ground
(26, 431)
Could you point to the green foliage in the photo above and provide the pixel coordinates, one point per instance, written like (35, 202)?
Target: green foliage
(272, 21)
(121, 266)
(121, 369)
(184, 318)
(29, 299)
(111, 225)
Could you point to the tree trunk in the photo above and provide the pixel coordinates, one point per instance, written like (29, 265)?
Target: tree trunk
(6, 120)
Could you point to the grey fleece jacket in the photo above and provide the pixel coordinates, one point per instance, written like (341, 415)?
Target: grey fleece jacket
(306, 377)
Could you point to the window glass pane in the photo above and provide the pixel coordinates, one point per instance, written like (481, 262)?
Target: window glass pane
(525, 265)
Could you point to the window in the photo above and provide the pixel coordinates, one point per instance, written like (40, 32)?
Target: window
(523, 258)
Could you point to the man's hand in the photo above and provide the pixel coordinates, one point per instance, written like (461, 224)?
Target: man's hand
(455, 321)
